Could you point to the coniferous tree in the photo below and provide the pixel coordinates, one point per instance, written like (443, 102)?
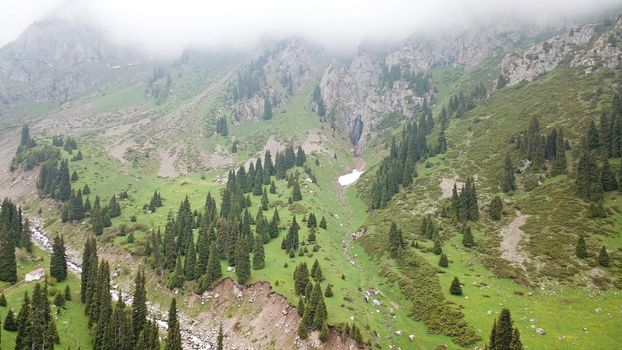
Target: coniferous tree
(504, 330)
(396, 241)
(316, 272)
(220, 338)
(25, 240)
(58, 260)
(588, 182)
(242, 262)
(437, 249)
(496, 208)
(139, 304)
(8, 264)
(603, 257)
(89, 264)
(190, 261)
(296, 194)
(516, 343)
(3, 302)
(323, 223)
(10, 324)
(455, 288)
(580, 249)
(267, 108)
(259, 257)
(509, 181)
(559, 163)
(173, 338)
(608, 178)
(67, 293)
(467, 237)
(442, 261)
(301, 278)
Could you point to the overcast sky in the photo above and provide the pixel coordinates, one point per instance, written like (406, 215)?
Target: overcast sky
(169, 26)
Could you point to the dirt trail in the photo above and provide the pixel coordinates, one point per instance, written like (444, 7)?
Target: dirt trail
(512, 236)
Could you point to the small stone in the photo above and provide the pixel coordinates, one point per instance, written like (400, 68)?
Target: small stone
(411, 338)
(540, 331)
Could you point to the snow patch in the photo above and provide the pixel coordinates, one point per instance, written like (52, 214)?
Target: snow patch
(350, 178)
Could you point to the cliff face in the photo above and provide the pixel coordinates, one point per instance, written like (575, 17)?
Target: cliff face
(360, 94)
(272, 79)
(54, 60)
(588, 47)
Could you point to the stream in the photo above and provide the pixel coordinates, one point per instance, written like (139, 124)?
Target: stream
(190, 340)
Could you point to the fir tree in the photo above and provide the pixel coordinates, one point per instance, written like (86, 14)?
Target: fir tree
(259, 257)
(516, 343)
(455, 288)
(509, 181)
(25, 240)
(580, 249)
(467, 237)
(442, 261)
(173, 338)
(242, 262)
(608, 178)
(89, 260)
(10, 324)
(296, 194)
(437, 249)
(396, 241)
(588, 182)
(603, 257)
(220, 338)
(504, 330)
(323, 223)
(3, 302)
(139, 304)
(267, 108)
(496, 208)
(8, 264)
(58, 260)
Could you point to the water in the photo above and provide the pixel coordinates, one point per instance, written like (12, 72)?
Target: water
(350, 178)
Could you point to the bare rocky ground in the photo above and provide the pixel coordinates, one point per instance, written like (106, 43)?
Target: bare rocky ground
(447, 186)
(511, 240)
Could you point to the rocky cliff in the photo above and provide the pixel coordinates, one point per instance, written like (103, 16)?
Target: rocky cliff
(270, 79)
(589, 47)
(359, 95)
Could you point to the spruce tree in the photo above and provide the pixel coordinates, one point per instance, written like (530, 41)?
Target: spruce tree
(580, 249)
(3, 302)
(396, 241)
(437, 249)
(220, 338)
(508, 183)
(242, 262)
(496, 208)
(455, 288)
(516, 343)
(8, 264)
(323, 223)
(10, 324)
(296, 194)
(608, 178)
(173, 338)
(139, 304)
(259, 256)
(504, 330)
(89, 258)
(58, 260)
(603, 257)
(467, 237)
(442, 261)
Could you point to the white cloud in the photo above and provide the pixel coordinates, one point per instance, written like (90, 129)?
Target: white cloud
(169, 26)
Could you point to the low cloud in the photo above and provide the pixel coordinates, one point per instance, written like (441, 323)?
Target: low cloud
(166, 27)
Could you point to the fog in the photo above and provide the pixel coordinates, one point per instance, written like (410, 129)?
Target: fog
(166, 27)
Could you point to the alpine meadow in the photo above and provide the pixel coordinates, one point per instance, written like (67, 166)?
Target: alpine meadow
(272, 175)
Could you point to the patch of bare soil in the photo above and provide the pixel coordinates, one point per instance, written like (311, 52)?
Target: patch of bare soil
(511, 239)
(255, 317)
(447, 186)
(315, 142)
(19, 184)
(167, 163)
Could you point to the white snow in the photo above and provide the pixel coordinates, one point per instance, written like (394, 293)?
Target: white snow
(350, 178)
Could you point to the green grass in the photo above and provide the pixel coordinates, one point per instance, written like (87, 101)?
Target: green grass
(71, 322)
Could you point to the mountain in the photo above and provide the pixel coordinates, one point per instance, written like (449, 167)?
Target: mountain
(407, 194)
(53, 61)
